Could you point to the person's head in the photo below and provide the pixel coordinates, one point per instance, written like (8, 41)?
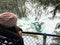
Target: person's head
(8, 19)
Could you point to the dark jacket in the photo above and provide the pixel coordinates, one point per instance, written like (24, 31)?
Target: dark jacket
(10, 33)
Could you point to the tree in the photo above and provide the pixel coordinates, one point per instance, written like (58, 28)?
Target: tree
(55, 3)
(18, 6)
(55, 10)
(12, 6)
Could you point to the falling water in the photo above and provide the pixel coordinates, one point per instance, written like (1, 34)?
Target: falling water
(39, 15)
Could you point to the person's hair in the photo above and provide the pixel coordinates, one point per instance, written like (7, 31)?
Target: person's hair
(8, 19)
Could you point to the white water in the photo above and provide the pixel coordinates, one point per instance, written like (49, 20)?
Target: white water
(48, 26)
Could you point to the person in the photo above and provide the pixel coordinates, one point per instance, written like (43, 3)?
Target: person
(8, 21)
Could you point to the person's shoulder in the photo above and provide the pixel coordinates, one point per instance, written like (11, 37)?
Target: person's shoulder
(20, 29)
